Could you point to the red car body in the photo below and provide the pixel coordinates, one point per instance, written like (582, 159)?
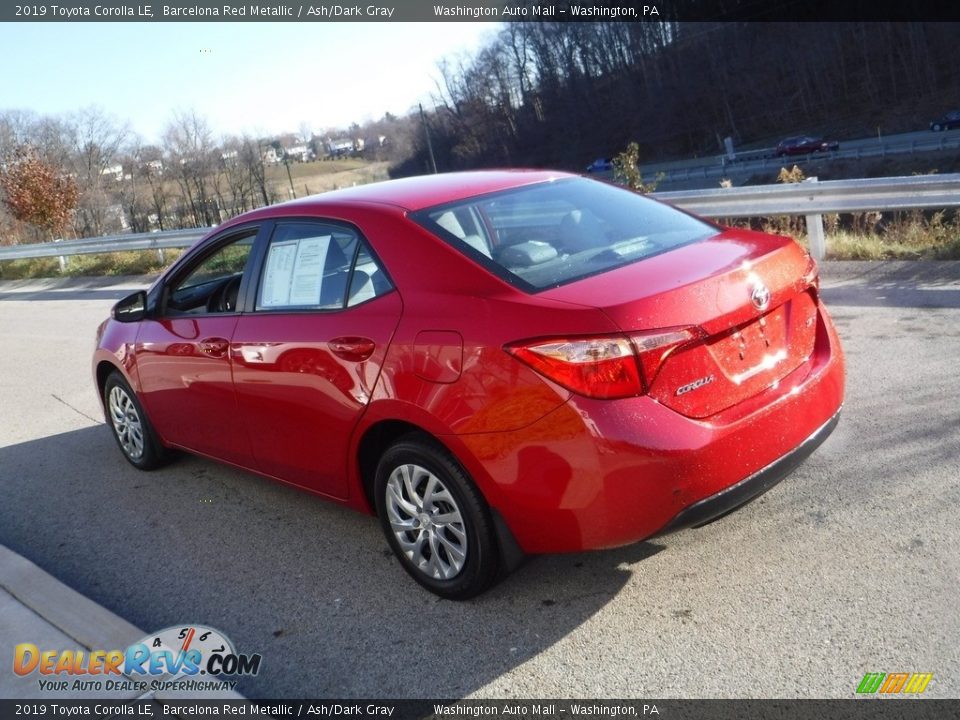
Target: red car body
(313, 399)
(805, 145)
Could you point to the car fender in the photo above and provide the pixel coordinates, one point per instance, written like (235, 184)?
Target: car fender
(116, 343)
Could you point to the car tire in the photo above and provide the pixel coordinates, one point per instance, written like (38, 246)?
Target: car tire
(130, 426)
(417, 481)
(936, 127)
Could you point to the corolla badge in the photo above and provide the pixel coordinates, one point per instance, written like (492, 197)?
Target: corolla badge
(760, 296)
(695, 385)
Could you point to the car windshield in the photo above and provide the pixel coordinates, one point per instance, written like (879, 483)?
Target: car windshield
(551, 234)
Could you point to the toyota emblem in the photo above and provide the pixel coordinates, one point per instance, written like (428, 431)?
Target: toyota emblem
(760, 297)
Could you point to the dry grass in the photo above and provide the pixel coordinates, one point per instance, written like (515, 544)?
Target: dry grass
(140, 262)
(848, 246)
(324, 175)
(912, 235)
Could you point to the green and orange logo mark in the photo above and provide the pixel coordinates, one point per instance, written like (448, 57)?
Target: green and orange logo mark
(894, 683)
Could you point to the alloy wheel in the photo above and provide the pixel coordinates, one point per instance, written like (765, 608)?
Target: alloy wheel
(426, 521)
(126, 422)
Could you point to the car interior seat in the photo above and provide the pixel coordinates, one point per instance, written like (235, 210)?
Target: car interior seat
(580, 230)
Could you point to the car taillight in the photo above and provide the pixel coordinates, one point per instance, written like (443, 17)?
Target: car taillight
(811, 276)
(602, 367)
(654, 347)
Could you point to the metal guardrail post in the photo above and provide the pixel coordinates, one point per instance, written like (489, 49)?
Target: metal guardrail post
(815, 234)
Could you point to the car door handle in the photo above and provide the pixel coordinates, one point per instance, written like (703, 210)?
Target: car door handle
(355, 349)
(214, 347)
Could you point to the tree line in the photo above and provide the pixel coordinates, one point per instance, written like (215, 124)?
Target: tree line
(88, 174)
(555, 94)
(546, 94)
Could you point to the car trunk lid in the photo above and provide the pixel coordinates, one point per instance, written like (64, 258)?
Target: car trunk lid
(750, 298)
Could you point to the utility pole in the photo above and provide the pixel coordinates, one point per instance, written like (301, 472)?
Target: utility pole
(426, 131)
(286, 162)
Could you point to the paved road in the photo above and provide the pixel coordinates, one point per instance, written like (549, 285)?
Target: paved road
(705, 172)
(849, 566)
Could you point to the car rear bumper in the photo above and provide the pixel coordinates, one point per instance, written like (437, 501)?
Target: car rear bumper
(735, 496)
(600, 473)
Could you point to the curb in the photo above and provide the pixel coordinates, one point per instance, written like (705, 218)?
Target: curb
(77, 616)
(67, 610)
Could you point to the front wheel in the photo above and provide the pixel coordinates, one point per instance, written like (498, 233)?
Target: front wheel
(130, 426)
(936, 127)
(435, 519)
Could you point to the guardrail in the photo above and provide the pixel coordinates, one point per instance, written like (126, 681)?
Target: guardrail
(62, 249)
(810, 199)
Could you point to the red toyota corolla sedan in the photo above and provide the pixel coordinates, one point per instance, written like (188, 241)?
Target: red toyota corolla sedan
(495, 363)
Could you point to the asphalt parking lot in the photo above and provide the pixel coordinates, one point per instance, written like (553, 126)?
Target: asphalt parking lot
(849, 566)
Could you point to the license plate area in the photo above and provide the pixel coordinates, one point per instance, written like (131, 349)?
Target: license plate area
(753, 347)
(739, 362)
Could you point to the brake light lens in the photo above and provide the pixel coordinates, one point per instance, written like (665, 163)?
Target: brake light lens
(602, 367)
(596, 367)
(654, 347)
(811, 276)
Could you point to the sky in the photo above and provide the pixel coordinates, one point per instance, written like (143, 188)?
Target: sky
(261, 78)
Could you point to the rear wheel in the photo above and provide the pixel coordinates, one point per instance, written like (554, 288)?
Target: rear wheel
(129, 424)
(435, 519)
(936, 127)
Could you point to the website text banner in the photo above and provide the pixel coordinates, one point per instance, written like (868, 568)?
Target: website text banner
(853, 709)
(482, 11)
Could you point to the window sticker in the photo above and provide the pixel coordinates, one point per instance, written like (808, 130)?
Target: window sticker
(308, 270)
(276, 278)
(294, 272)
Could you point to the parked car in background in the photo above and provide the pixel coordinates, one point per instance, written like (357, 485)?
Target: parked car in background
(805, 145)
(948, 122)
(493, 363)
(600, 165)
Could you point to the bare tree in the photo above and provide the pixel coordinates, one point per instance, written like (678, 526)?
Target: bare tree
(95, 140)
(251, 159)
(191, 161)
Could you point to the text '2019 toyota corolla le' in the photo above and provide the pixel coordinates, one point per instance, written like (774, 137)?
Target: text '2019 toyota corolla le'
(495, 363)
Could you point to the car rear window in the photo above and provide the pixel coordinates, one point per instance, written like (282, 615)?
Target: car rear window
(550, 234)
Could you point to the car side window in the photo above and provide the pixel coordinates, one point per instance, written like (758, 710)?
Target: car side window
(318, 266)
(213, 284)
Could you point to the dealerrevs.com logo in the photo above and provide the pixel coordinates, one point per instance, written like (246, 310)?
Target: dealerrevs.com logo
(191, 657)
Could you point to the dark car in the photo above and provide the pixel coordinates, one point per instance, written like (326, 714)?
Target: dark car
(493, 363)
(805, 145)
(948, 122)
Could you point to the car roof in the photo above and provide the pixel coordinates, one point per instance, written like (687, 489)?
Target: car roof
(417, 193)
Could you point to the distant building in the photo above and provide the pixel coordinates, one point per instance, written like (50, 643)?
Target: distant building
(339, 147)
(300, 153)
(270, 155)
(344, 146)
(113, 171)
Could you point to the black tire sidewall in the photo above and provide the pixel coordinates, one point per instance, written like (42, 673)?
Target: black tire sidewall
(480, 567)
(153, 452)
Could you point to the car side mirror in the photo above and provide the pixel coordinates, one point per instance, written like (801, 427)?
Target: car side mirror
(132, 308)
